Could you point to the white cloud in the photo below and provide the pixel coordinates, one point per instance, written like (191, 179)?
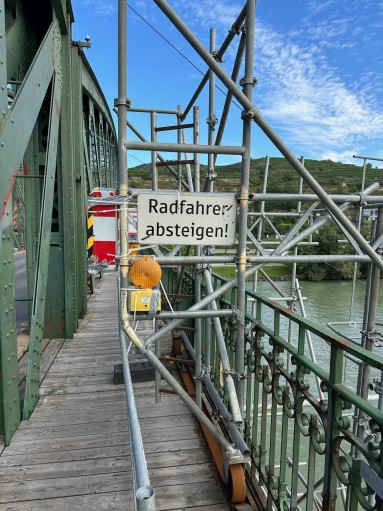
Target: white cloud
(317, 105)
(209, 13)
(344, 157)
(314, 108)
(102, 7)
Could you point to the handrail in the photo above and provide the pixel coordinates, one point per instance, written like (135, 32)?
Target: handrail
(143, 491)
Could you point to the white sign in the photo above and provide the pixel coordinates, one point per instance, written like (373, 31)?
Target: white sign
(132, 222)
(186, 218)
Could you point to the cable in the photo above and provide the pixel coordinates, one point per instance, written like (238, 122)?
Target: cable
(178, 51)
(132, 156)
(164, 38)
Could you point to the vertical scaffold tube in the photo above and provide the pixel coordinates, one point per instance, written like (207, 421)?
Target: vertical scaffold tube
(228, 378)
(248, 84)
(197, 278)
(122, 152)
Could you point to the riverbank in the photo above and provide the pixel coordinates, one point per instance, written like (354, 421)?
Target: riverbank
(274, 271)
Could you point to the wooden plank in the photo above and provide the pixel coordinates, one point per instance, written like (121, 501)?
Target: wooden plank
(151, 449)
(116, 426)
(79, 387)
(49, 354)
(111, 412)
(52, 381)
(168, 498)
(98, 440)
(23, 362)
(77, 468)
(115, 393)
(22, 344)
(84, 350)
(58, 486)
(85, 371)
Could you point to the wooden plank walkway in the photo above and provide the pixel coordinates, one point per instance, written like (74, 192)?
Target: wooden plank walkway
(73, 453)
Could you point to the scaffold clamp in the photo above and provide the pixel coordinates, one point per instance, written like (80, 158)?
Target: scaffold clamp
(250, 114)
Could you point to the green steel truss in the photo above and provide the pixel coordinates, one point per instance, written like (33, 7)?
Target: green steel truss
(57, 142)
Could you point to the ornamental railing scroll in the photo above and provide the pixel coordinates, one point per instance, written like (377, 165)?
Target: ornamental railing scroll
(304, 452)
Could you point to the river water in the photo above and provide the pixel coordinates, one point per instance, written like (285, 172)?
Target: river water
(329, 301)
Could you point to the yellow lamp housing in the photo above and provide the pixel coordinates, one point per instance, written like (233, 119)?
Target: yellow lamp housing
(144, 300)
(145, 272)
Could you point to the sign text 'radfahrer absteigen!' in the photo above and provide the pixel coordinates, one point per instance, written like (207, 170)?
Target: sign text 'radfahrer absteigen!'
(186, 218)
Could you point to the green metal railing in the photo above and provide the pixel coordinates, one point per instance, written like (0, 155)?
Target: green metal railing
(306, 452)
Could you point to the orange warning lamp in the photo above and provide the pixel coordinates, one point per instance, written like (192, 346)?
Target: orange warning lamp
(145, 272)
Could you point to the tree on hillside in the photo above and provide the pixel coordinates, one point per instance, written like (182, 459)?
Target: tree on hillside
(327, 237)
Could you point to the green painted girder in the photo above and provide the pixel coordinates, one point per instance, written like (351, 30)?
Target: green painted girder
(9, 390)
(3, 66)
(80, 185)
(61, 8)
(41, 279)
(16, 131)
(18, 48)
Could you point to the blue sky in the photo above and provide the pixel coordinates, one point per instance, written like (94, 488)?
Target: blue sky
(319, 66)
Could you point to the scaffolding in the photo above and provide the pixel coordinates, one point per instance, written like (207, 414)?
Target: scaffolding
(231, 362)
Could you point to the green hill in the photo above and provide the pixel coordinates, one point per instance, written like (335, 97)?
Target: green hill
(334, 177)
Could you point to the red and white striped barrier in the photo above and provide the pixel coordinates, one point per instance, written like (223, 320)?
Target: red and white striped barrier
(105, 229)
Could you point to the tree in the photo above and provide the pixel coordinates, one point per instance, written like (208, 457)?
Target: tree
(327, 238)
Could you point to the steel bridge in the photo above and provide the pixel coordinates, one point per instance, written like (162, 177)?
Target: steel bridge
(151, 365)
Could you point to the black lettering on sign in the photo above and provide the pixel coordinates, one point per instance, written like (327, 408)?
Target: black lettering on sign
(186, 231)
